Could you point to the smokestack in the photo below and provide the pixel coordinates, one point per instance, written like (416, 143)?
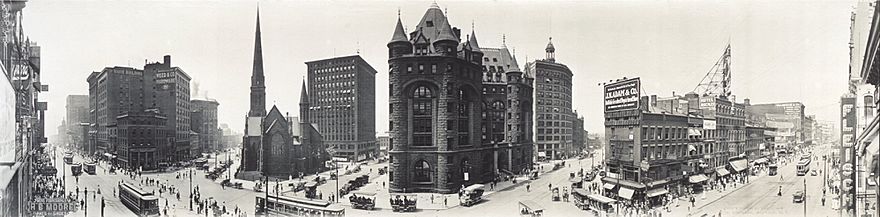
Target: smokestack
(167, 60)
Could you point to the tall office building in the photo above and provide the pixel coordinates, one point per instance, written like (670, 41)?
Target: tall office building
(553, 110)
(159, 91)
(204, 123)
(77, 114)
(343, 105)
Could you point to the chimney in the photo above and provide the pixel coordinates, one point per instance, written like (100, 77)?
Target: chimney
(167, 61)
(747, 101)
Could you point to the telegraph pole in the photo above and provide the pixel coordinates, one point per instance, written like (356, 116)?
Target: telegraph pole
(805, 197)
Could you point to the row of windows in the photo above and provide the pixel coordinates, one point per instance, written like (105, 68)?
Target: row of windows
(554, 130)
(335, 84)
(334, 69)
(554, 123)
(553, 138)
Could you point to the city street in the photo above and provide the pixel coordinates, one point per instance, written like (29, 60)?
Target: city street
(759, 197)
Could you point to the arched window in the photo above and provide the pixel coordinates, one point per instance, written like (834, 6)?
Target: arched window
(422, 111)
(422, 171)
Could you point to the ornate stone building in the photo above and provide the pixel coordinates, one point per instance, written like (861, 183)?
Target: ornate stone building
(436, 107)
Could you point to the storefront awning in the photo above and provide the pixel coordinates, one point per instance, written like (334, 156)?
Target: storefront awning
(698, 178)
(542, 154)
(626, 193)
(761, 160)
(739, 165)
(608, 186)
(657, 192)
(722, 172)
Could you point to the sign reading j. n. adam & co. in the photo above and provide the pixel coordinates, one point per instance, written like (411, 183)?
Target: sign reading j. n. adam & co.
(622, 95)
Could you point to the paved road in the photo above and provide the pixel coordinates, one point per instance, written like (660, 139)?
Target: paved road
(759, 198)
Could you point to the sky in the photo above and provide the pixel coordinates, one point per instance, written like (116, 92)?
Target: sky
(782, 51)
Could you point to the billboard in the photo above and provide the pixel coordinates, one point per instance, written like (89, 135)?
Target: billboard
(7, 122)
(623, 95)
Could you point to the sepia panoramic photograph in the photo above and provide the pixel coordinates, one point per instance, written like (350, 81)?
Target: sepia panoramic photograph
(440, 108)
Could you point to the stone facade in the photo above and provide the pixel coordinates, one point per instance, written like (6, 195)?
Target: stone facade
(436, 108)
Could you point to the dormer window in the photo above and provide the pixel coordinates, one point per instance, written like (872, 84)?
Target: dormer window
(429, 23)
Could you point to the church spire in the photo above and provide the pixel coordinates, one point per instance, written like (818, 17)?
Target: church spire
(304, 103)
(258, 87)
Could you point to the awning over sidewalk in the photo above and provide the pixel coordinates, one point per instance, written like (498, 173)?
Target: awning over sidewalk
(761, 160)
(722, 172)
(608, 186)
(657, 192)
(739, 165)
(626, 193)
(698, 178)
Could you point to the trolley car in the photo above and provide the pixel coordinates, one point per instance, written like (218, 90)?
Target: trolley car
(139, 201)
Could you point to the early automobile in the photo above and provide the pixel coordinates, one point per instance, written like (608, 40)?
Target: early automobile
(555, 194)
(472, 194)
(798, 197)
(363, 200)
(403, 202)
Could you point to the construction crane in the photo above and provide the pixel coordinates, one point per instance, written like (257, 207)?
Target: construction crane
(717, 80)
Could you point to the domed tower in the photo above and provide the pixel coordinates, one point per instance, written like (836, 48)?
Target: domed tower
(551, 51)
(399, 44)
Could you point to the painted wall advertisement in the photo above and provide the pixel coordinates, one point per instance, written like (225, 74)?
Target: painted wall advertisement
(7, 122)
(623, 95)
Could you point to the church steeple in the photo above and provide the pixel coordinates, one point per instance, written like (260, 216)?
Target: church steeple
(304, 104)
(258, 87)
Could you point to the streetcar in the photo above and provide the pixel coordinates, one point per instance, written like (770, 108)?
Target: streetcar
(771, 169)
(76, 169)
(89, 168)
(279, 205)
(68, 158)
(803, 167)
(138, 201)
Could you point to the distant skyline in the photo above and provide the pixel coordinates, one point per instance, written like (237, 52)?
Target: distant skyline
(781, 51)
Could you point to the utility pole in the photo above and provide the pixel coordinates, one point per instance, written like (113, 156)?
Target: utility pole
(190, 189)
(805, 197)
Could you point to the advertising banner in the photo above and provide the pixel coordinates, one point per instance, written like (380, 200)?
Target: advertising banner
(848, 127)
(7, 122)
(623, 95)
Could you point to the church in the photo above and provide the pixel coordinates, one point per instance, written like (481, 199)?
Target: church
(275, 144)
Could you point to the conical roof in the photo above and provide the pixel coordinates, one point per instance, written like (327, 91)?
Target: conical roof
(432, 22)
(445, 33)
(399, 33)
(513, 66)
(473, 42)
(303, 94)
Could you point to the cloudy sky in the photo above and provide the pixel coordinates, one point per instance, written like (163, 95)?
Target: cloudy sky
(782, 50)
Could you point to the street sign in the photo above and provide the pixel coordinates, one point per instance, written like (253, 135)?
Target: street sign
(59, 206)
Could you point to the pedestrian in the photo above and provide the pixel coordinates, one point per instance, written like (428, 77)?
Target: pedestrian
(527, 188)
(444, 201)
